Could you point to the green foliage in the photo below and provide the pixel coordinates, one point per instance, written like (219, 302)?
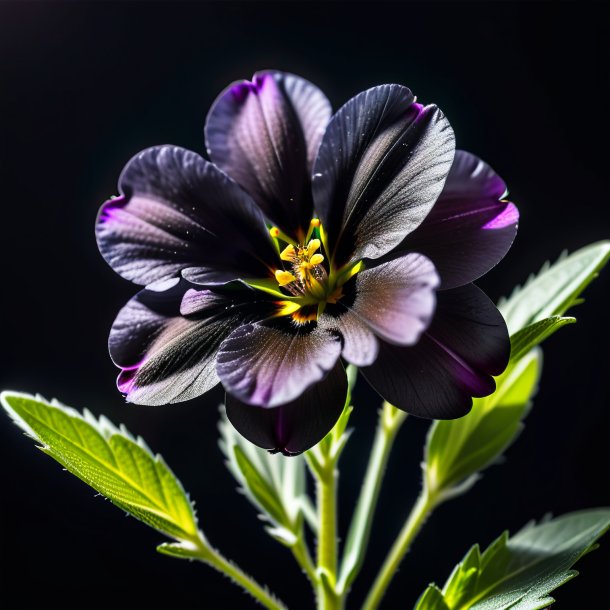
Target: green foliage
(273, 484)
(110, 460)
(534, 334)
(556, 288)
(456, 451)
(520, 572)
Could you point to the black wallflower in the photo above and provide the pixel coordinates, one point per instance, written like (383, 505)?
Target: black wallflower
(309, 240)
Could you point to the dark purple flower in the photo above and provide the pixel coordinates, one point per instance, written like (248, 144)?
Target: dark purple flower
(307, 241)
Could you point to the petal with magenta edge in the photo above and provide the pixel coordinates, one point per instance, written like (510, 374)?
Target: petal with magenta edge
(455, 359)
(297, 426)
(382, 163)
(176, 211)
(272, 364)
(469, 229)
(265, 135)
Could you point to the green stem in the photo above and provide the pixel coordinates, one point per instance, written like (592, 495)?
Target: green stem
(327, 515)
(323, 467)
(422, 509)
(213, 558)
(301, 554)
(390, 421)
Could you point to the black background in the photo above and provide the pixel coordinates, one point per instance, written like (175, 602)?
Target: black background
(85, 86)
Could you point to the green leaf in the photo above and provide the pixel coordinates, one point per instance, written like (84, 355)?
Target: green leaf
(534, 334)
(457, 450)
(520, 572)
(274, 484)
(556, 288)
(108, 459)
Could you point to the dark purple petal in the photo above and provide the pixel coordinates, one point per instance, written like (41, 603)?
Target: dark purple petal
(380, 168)
(454, 360)
(297, 426)
(165, 357)
(469, 230)
(177, 211)
(360, 345)
(272, 365)
(396, 299)
(265, 135)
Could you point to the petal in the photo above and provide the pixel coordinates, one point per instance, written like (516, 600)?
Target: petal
(165, 357)
(265, 135)
(297, 426)
(396, 299)
(177, 211)
(455, 359)
(360, 345)
(273, 365)
(381, 165)
(469, 230)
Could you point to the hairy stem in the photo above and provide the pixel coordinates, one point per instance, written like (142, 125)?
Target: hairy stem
(390, 421)
(213, 558)
(301, 554)
(420, 512)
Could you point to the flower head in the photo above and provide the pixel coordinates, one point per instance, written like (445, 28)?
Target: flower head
(309, 240)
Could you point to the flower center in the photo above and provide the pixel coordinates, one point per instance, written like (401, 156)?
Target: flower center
(306, 279)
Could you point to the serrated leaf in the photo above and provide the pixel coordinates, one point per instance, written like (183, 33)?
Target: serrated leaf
(556, 288)
(260, 487)
(274, 484)
(534, 334)
(521, 571)
(432, 599)
(457, 450)
(110, 460)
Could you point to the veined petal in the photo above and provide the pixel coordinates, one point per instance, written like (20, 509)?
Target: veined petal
(265, 135)
(382, 163)
(297, 426)
(177, 211)
(396, 299)
(469, 229)
(454, 360)
(165, 357)
(359, 343)
(270, 366)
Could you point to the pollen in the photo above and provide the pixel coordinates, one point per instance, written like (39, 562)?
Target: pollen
(274, 232)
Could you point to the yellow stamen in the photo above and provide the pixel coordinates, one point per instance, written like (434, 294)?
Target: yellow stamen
(315, 222)
(316, 259)
(284, 277)
(277, 234)
(288, 254)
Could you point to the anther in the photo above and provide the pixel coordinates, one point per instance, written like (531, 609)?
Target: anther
(274, 232)
(316, 259)
(289, 254)
(312, 246)
(284, 277)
